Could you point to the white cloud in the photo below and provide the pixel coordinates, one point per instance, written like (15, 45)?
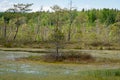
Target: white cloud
(44, 8)
(47, 8)
(35, 8)
(4, 5)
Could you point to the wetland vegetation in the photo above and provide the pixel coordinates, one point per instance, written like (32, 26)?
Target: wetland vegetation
(62, 44)
(105, 67)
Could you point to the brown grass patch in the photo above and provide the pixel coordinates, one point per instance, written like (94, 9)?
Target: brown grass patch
(62, 57)
(69, 57)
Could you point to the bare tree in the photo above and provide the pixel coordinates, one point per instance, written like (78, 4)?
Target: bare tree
(6, 21)
(69, 29)
(18, 22)
(22, 8)
(19, 8)
(38, 23)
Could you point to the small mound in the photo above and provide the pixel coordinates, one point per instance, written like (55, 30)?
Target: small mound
(71, 57)
(68, 57)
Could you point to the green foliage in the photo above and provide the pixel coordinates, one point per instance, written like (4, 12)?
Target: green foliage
(92, 15)
(118, 17)
(57, 36)
(88, 26)
(105, 73)
(7, 17)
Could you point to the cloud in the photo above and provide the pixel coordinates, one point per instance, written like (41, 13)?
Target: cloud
(4, 5)
(44, 8)
(47, 8)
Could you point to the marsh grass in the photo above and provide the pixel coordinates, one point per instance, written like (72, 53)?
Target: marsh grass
(71, 57)
(68, 57)
(110, 74)
(103, 73)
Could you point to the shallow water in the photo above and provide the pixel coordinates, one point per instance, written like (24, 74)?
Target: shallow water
(8, 64)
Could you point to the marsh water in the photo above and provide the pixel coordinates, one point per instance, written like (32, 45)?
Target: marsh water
(9, 65)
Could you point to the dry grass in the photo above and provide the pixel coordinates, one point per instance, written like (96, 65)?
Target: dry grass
(67, 57)
(71, 57)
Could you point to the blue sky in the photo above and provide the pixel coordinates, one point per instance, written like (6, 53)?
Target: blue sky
(78, 4)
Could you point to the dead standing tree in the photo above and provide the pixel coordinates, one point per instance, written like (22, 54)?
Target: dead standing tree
(69, 29)
(7, 17)
(19, 8)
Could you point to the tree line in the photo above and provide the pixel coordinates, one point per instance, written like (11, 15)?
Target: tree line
(87, 26)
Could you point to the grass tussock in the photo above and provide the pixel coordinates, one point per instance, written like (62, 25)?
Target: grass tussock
(68, 57)
(62, 57)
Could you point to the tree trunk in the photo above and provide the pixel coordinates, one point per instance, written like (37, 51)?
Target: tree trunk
(16, 33)
(69, 33)
(5, 30)
(57, 51)
(38, 29)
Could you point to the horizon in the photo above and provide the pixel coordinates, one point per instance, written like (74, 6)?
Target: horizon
(78, 4)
